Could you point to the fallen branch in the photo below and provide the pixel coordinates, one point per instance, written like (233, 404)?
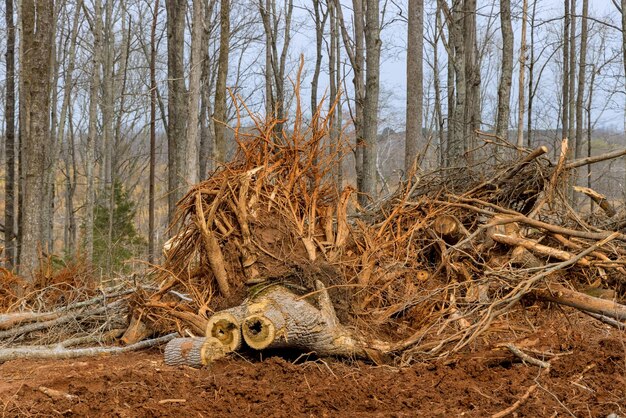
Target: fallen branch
(598, 199)
(58, 352)
(596, 158)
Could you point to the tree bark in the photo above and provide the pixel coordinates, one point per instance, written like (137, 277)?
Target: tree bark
(9, 109)
(370, 107)
(176, 106)
(37, 28)
(415, 82)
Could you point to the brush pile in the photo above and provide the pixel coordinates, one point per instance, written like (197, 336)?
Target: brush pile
(420, 274)
(270, 253)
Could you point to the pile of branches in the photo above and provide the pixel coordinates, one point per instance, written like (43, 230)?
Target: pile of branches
(65, 313)
(426, 270)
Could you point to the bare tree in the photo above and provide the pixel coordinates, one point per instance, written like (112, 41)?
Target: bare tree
(506, 74)
(219, 117)
(94, 90)
(415, 82)
(275, 76)
(37, 29)
(153, 101)
(319, 17)
(522, 74)
(566, 69)
(582, 69)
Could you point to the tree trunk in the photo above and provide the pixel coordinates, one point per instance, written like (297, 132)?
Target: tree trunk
(188, 158)
(92, 132)
(531, 75)
(415, 82)
(37, 28)
(581, 81)
(219, 117)
(9, 109)
(471, 112)
(176, 105)
(566, 69)
(153, 100)
(320, 23)
(370, 107)
(65, 109)
(506, 76)
(571, 106)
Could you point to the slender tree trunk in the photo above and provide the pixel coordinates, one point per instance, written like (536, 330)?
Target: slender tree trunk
(70, 189)
(471, 112)
(572, 72)
(582, 68)
(589, 125)
(437, 86)
(522, 73)
(506, 76)
(339, 109)
(176, 105)
(531, 74)
(37, 24)
(92, 132)
(415, 82)
(65, 109)
(9, 109)
(358, 66)
(269, 91)
(332, 82)
(219, 117)
(52, 154)
(207, 139)
(153, 102)
(320, 23)
(566, 69)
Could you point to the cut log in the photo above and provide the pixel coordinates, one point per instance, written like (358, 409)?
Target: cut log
(225, 326)
(449, 228)
(194, 352)
(278, 318)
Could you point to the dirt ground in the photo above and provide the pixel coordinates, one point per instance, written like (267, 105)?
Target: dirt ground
(587, 379)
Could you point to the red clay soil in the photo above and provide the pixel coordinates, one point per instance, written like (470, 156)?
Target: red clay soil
(587, 379)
